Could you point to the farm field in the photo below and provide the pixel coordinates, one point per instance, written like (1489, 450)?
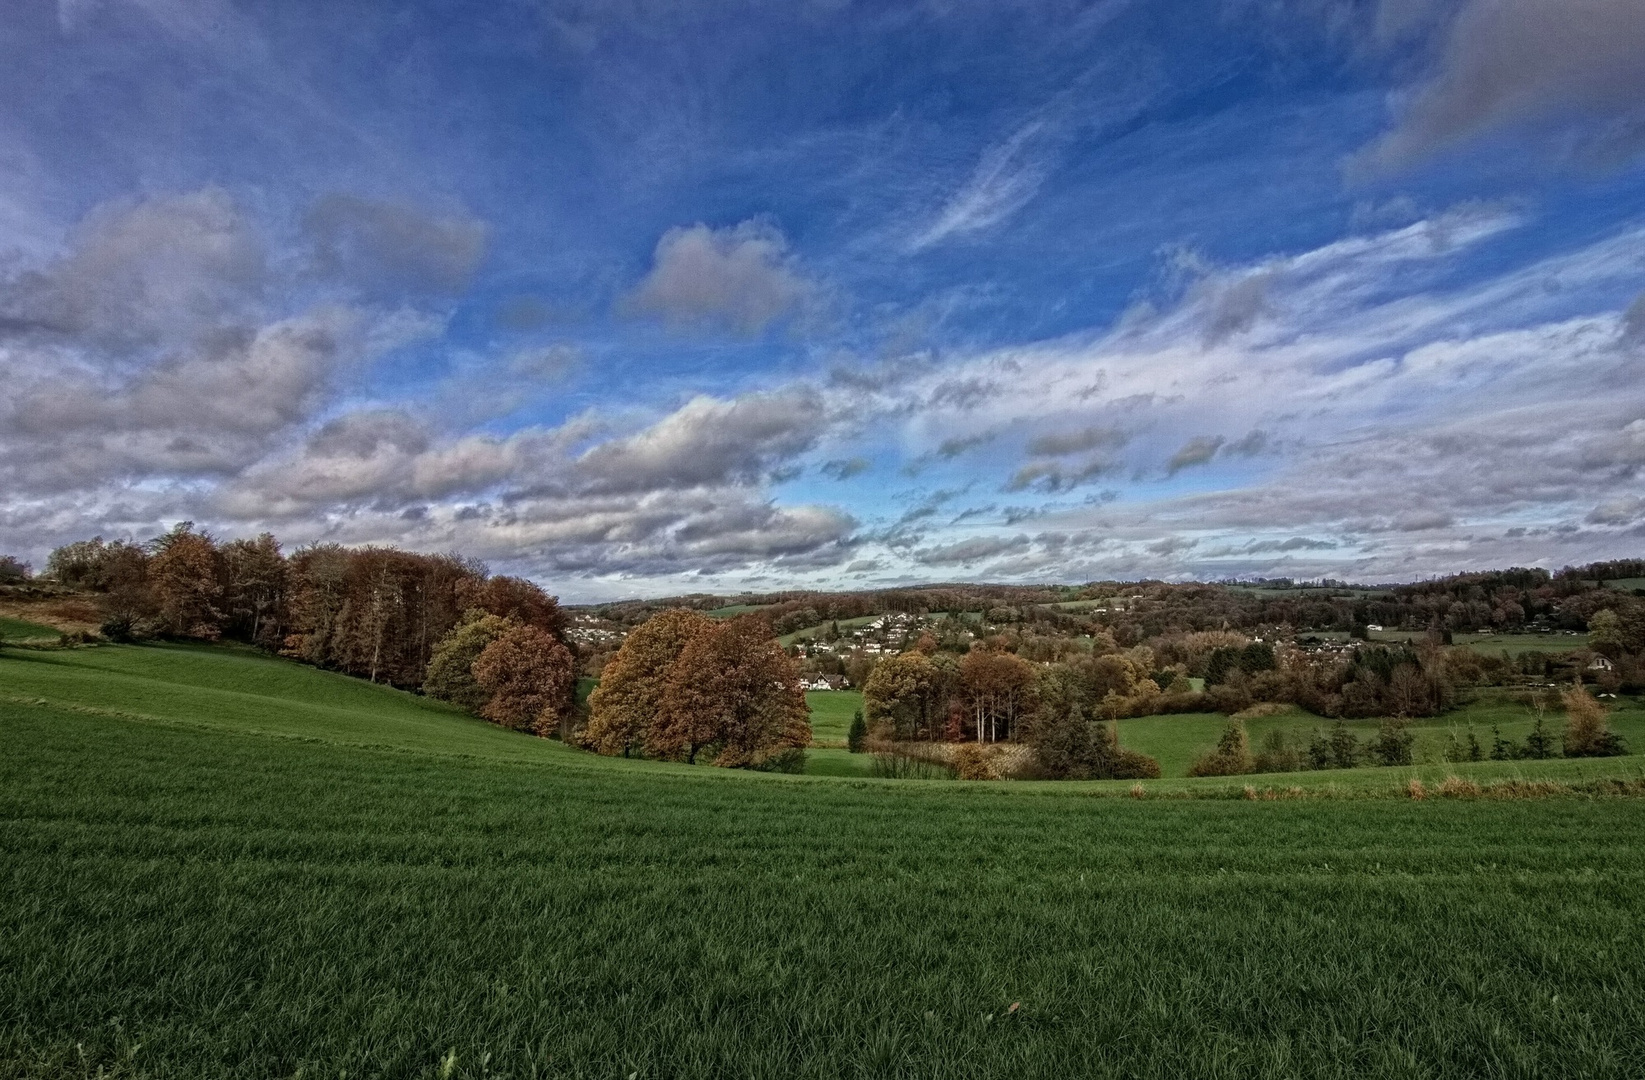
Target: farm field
(811, 632)
(1178, 739)
(1513, 644)
(831, 713)
(219, 863)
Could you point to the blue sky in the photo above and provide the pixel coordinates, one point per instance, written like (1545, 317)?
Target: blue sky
(640, 297)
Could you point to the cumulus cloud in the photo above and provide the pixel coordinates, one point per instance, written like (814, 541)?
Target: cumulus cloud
(394, 248)
(1624, 510)
(1196, 451)
(1633, 322)
(1518, 62)
(143, 272)
(1396, 423)
(709, 441)
(740, 277)
(955, 446)
(1053, 476)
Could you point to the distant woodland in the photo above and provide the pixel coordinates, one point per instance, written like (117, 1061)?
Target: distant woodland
(707, 678)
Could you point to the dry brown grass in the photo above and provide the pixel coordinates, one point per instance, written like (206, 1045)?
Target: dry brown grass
(1455, 787)
(1416, 790)
(1264, 708)
(69, 616)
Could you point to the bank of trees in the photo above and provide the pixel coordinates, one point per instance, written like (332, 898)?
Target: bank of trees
(684, 687)
(990, 695)
(374, 612)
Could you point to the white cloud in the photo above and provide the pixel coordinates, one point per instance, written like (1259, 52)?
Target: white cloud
(1004, 181)
(740, 277)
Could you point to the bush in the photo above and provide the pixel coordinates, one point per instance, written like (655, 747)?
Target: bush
(1232, 757)
(858, 734)
(1392, 746)
(1344, 747)
(1463, 750)
(1133, 765)
(1539, 744)
(1586, 732)
(787, 759)
(1278, 754)
(118, 628)
(971, 763)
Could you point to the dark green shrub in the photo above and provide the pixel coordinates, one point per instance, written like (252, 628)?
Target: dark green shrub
(1392, 746)
(1539, 744)
(1345, 751)
(1279, 753)
(1232, 756)
(789, 759)
(858, 733)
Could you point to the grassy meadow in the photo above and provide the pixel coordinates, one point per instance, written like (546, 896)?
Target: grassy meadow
(221, 864)
(23, 630)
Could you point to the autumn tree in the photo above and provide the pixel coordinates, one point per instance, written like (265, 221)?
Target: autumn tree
(997, 687)
(254, 589)
(1586, 732)
(529, 679)
(513, 598)
(906, 694)
(186, 574)
(735, 688)
(630, 694)
(450, 670)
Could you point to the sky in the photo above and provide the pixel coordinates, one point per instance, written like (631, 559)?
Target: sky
(640, 297)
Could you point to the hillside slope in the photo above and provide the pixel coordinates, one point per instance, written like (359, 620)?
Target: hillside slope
(221, 864)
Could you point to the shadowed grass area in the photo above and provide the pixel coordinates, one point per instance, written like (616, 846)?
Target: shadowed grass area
(220, 864)
(23, 630)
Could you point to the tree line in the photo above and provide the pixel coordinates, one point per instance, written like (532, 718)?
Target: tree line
(374, 612)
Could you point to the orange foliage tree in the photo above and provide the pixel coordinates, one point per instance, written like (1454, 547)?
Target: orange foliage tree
(998, 687)
(630, 694)
(735, 688)
(185, 574)
(529, 679)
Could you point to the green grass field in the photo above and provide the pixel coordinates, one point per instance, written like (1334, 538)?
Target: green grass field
(812, 632)
(1513, 644)
(831, 713)
(23, 630)
(220, 864)
(731, 611)
(1178, 739)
